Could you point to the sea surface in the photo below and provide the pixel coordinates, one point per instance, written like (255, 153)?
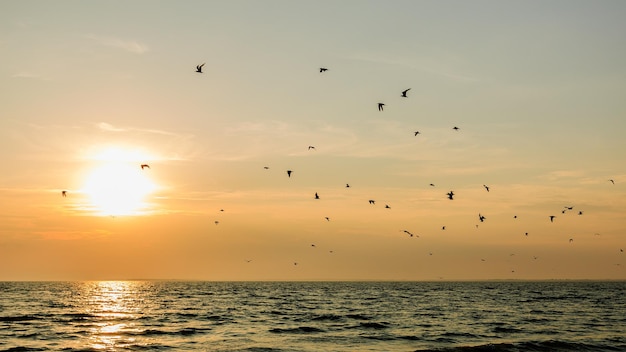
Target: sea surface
(312, 316)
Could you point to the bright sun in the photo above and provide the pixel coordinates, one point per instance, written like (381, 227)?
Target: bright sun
(118, 187)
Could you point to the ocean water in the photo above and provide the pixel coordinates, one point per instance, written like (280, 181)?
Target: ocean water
(312, 316)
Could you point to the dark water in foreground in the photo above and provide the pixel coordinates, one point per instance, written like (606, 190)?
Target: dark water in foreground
(317, 316)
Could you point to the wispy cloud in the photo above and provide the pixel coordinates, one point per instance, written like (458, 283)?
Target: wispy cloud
(107, 127)
(128, 45)
(435, 67)
(28, 75)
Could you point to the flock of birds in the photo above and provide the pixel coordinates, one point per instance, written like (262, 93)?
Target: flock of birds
(450, 195)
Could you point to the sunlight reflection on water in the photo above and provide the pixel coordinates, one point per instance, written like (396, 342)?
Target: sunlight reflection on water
(111, 301)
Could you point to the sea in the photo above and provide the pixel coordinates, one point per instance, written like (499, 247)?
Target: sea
(312, 316)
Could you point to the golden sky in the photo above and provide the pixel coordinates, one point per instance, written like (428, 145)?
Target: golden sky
(93, 90)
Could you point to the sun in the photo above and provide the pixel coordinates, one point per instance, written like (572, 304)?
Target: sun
(118, 186)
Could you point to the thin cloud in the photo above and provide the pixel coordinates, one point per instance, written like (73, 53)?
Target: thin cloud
(109, 128)
(127, 45)
(27, 74)
(434, 67)
(105, 126)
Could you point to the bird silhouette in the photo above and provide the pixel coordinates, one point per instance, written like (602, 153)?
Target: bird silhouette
(612, 181)
(416, 132)
(580, 212)
(347, 185)
(571, 240)
(450, 195)
(64, 193)
(289, 173)
(199, 68)
(311, 147)
(486, 187)
(432, 185)
(387, 206)
(316, 196)
(323, 69)
(481, 217)
(327, 218)
(143, 166)
(409, 233)
(266, 167)
(380, 106)
(404, 92)
(372, 201)
(552, 218)
(455, 128)
(443, 227)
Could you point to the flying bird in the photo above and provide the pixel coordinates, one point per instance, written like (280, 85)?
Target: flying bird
(387, 206)
(316, 196)
(455, 128)
(266, 167)
(409, 233)
(372, 201)
(571, 240)
(311, 147)
(347, 185)
(323, 69)
(481, 217)
(486, 187)
(580, 212)
(404, 92)
(612, 181)
(416, 132)
(432, 185)
(289, 173)
(64, 193)
(380, 106)
(327, 218)
(450, 195)
(199, 68)
(552, 218)
(143, 166)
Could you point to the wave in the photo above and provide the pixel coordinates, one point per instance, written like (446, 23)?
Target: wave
(19, 318)
(532, 346)
(298, 330)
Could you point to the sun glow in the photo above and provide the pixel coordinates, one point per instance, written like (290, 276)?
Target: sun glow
(119, 185)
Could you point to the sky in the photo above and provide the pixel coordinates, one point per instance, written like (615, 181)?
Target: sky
(92, 90)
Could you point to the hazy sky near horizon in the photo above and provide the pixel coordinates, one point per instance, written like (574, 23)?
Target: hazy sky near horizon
(93, 89)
